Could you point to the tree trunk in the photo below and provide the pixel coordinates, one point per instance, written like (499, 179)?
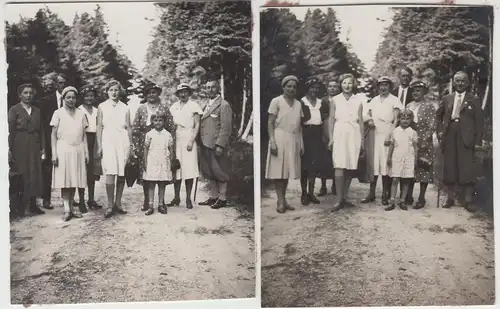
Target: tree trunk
(487, 91)
(243, 108)
(249, 126)
(222, 82)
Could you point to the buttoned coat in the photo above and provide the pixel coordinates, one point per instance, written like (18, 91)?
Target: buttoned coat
(216, 124)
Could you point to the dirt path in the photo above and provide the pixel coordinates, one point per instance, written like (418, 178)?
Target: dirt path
(368, 257)
(186, 255)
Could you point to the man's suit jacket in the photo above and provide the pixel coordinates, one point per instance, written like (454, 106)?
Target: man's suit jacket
(48, 105)
(409, 95)
(216, 124)
(471, 118)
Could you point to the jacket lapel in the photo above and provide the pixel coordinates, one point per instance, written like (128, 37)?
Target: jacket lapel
(466, 101)
(451, 101)
(212, 108)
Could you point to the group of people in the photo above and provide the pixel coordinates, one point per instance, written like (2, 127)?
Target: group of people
(67, 141)
(390, 137)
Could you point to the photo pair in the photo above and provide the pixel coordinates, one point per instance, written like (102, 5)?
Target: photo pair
(237, 154)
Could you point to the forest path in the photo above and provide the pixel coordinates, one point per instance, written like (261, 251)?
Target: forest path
(186, 255)
(365, 256)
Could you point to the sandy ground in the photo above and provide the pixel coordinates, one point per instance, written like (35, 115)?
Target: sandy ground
(365, 256)
(186, 255)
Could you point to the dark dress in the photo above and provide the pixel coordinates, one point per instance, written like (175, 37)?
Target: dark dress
(140, 128)
(425, 127)
(25, 143)
(313, 159)
(327, 172)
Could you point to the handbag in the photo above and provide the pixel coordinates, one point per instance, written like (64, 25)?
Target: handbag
(175, 164)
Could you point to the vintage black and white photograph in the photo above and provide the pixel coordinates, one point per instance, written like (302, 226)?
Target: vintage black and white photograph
(130, 151)
(376, 147)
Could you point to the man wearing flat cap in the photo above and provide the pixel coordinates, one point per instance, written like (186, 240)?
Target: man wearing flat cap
(459, 129)
(215, 130)
(403, 91)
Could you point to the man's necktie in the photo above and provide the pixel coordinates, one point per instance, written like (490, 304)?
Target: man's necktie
(402, 96)
(458, 104)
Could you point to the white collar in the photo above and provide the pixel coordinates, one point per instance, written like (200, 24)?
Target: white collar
(309, 104)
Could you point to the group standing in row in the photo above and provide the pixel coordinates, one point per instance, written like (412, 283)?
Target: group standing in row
(56, 145)
(392, 133)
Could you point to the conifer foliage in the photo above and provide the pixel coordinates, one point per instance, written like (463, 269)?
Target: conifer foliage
(40, 46)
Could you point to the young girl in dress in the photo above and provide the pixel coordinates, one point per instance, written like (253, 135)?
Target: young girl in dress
(89, 95)
(158, 147)
(402, 157)
(69, 150)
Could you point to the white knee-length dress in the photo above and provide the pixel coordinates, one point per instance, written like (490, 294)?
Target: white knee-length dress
(70, 171)
(115, 139)
(346, 131)
(403, 156)
(159, 157)
(382, 113)
(183, 115)
(288, 135)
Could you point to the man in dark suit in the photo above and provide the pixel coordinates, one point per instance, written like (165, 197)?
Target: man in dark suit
(403, 91)
(48, 106)
(459, 129)
(215, 130)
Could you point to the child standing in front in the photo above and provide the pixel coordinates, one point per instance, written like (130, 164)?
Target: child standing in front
(158, 149)
(402, 158)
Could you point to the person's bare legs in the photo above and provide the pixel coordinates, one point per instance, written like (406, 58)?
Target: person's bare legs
(393, 194)
(339, 184)
(120, 185)
(110, 193)
(189, 189)
(347, 185)
(405, 183)
(151, 197)
(278, 186)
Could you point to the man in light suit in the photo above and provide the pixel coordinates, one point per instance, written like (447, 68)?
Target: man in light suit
(459, 129)
(48, 106)
(215, 130)
(403, 91)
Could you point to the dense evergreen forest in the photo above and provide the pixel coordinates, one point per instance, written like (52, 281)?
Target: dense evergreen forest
(40, 46)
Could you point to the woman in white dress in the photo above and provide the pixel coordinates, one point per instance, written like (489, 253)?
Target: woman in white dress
(346, 137)
(69, 150)
(186, 114)
(382, 116)
(114, 140)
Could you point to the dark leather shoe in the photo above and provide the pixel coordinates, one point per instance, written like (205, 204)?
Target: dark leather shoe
(109, 213)
(403, 206)
(189, 204)
(349, 204)
(449, 203)
(313, 199)
(390, 207)
(368, 199)
(82, 207)
(219, 204)
(208, 202)
(174, 202)
(470, 207)
(385, 202)
(150, 211)
(419, 205)
(118, 210)
(162, 209)
(47, 205)
(288, 207)
(322, 192)
(304, 199)
(36, 210)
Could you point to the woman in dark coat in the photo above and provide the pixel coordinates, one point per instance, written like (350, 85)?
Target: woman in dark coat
(27, 146)
(314, 144)
(142, 125)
